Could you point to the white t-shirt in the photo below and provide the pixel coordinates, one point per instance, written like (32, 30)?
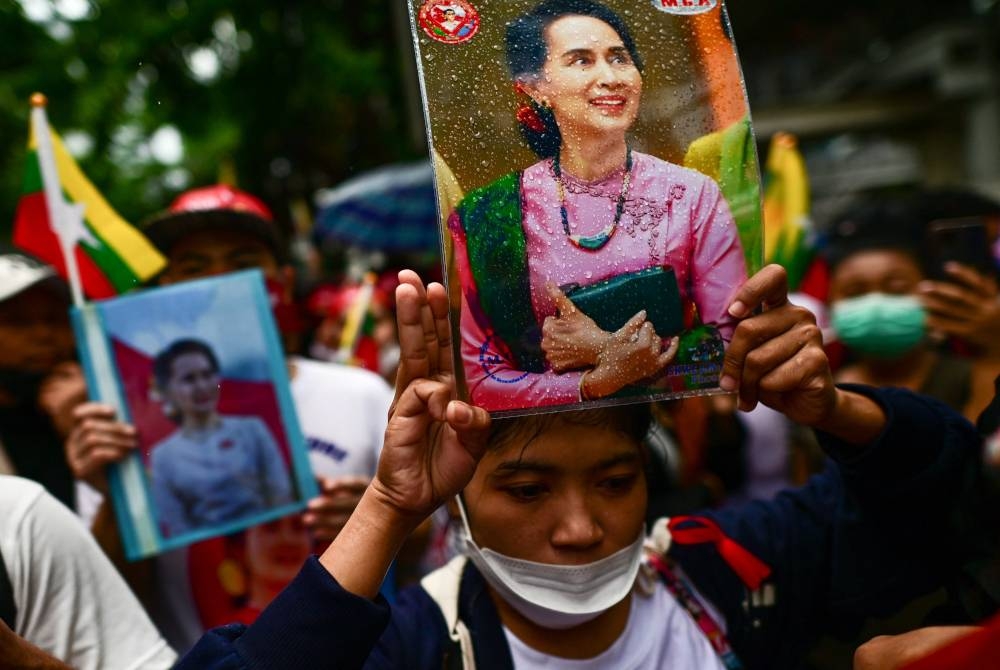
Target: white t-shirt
(659, 634)
(342, 411)
(70, 600)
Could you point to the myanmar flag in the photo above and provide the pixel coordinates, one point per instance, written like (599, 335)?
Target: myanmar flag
(112, 256)
(787, 225)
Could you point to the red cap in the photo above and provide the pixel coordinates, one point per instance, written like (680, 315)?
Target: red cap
(220, 196)
(213, 208)
(335, 300)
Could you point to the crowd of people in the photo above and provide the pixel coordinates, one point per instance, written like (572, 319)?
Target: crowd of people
(836, 507)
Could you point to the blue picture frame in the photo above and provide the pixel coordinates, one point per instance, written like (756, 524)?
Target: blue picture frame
(232, 315)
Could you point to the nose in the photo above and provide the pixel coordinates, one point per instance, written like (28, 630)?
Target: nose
(207, 382)
(607, 76)
(578, 527)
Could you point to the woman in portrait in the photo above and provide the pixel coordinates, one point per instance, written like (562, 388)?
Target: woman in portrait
(213, 469)
(591, 209)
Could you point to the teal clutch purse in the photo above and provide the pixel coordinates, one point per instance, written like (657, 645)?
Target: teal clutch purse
(613, 301)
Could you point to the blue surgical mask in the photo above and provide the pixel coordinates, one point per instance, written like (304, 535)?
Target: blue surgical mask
(880, 325)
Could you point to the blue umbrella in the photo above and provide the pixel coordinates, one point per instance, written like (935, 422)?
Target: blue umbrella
(390, 209)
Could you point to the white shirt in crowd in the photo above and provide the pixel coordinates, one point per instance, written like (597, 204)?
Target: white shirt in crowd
(659, 634)
(71, 602)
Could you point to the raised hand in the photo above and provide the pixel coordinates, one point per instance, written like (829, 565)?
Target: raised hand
(967, 306)
(97, 440)
(433, 442)
(776, 357)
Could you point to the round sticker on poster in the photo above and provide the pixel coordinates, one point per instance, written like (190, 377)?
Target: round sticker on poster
(449, 21)
(685, 6)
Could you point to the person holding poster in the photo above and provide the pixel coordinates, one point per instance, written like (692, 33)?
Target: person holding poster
(591, 214)
(212, 469)
(557, 570)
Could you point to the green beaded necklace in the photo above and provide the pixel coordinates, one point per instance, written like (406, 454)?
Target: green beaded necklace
(593, 242)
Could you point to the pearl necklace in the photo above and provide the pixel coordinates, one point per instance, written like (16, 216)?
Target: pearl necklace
(593, 242)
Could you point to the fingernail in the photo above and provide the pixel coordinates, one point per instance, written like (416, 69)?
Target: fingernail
(462, 413)
(727, 383)
(738, 310)
(925, 287)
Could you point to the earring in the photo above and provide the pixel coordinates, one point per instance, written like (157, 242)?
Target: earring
(527, 114)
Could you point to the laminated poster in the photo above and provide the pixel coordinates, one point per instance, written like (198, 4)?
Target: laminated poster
(198, 369)
(599, 190)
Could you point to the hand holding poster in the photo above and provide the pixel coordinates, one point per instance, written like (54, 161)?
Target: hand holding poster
(568, 124)
(198, 369)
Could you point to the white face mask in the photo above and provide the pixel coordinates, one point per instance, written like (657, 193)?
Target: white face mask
(557, 596)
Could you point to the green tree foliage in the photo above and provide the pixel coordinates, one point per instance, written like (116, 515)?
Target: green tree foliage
(287, 96)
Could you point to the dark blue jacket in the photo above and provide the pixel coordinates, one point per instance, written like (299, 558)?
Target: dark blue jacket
(864, 537)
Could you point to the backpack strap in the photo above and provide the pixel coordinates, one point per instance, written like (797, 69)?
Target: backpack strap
(443, 586)
(8, 608)
(666, 532)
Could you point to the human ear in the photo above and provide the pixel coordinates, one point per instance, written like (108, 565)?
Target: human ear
(531, 86)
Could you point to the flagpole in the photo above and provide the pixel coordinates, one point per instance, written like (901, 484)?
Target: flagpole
(60, 212)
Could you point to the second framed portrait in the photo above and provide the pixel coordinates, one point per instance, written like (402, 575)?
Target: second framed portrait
(197, 368)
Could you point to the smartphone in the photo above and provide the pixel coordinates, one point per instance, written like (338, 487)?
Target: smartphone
(964, 241)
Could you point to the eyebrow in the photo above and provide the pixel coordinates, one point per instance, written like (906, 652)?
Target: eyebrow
(508, 468)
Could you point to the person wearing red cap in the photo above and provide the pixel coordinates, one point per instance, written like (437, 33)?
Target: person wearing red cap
(342, 410)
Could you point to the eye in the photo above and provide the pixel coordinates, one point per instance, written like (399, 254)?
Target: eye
(528, 492)
(246, 261)
(190, 269)
(898, 286)
(619, 484)
(580, 60)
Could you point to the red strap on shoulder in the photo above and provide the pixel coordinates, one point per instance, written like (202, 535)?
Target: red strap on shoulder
(699, 530)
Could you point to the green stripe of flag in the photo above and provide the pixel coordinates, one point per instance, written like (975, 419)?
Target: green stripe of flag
(112, 266)
(117, 272)
(32, 174)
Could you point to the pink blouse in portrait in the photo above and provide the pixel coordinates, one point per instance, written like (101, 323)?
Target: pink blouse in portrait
(673, 217)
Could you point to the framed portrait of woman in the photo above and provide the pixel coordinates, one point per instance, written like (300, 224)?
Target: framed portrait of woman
(598, 184)
(197, 368)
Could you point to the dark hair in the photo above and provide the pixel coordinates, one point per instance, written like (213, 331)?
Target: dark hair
(888, 223)
(527, 51)
(954, 204)
(164, 361)
(632, 421)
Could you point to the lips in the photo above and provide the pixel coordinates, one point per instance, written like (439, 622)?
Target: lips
(609, 101)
